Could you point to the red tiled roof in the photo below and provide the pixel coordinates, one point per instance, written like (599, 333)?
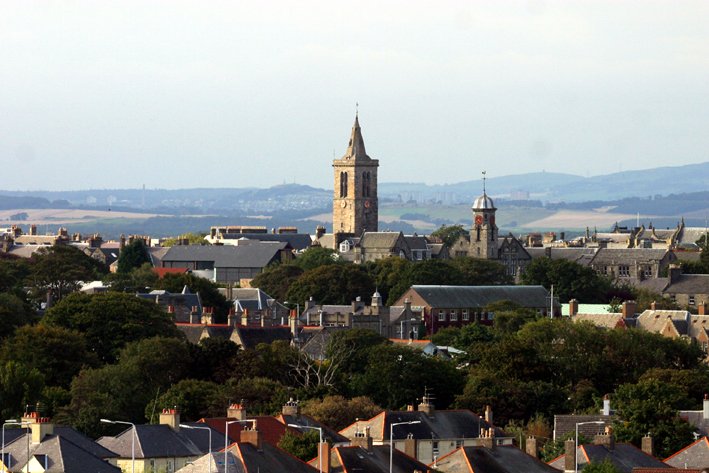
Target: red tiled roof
(271, 429)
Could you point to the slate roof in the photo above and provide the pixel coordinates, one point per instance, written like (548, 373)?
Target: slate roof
(270, 428)
(269, 459)
(501, 459)
(375, 461)
(480, 296)
(416, 242)
(301, 419)
(444, 424)
(256, 255)
(689, 284)
(695, 455)
(161, 441)
(182, 303)
(385, 240)
(248, 337)
(297, 241)
(691, 234)
(61, 454)
(624, 457)
(565, 424)
(202, 464)
(82, 441)
(610, 256)
(578, 255)
(252, 336)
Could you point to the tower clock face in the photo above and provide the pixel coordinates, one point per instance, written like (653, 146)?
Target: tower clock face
(343, 204)
(367, 203)
(478, 220)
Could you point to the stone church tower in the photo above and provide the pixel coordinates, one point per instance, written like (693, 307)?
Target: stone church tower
(483, 235)
(355, 207)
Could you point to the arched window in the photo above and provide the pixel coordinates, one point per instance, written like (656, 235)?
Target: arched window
(343, 184)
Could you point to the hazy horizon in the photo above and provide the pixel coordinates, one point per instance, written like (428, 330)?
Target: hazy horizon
(186, 94)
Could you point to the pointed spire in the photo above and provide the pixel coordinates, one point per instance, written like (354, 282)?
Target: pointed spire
(355, 148)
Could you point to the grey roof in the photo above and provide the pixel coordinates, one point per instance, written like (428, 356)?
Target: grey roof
(656, 285)
(565, 424)
(416, 242)
(256, 255)
(60, 454)
(655, 320)
(161, 441)
(501, 459)
(181, 302)
(480, 296)
(297, 241)
(269, 459)
(84, 442)
(691, 234)
(376, 460)
(301, 419)
(608, 256)
(386, 240)
(689, 284)
(695, 455)
(253, 336)
(577, 255)
(202, 464)
(623, 456)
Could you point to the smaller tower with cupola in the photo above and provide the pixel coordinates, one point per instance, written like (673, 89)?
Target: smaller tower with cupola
(483, 235)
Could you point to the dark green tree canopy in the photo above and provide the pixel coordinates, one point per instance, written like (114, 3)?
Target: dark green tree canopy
(59, 269)
(449, 234)
(208, 291)
(570, 280)
(110, 320)
(315, 257)
(332, 284)
(277, 279)
(133, 256)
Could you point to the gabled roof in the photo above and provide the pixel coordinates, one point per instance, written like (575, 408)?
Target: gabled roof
(376, 460)
(304, 420)
(297, 241)
(623, 456)
(480, 296)
(269, 459)
(609, 321)
(444, 424)
(59, 453)
(694, 455)
(214, 463)
(656, 320)
(416, 242)
(270, 428)
(564, 424)
(255, 255)
(501, 459)
(381, 240)
(630, 256)
(689, 284)
(161, 441)
(250, 337)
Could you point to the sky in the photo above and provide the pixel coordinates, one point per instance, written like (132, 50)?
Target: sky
(180, 94)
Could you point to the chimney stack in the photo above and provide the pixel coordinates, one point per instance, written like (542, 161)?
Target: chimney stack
(362, 439)
(39, 426)
(648, 445)
(410, 446)
(236, 411)
(569, 456)
(291, 408)
(606, 405)
(705, 407)
(653, 305)
(606, 439)
(171, 418)
(426, 406)
(573, 307)
(487, 438)
(628, 309)
(252, 436)
(702, 308)
(531, 446)
(674, 272)
(325, 452)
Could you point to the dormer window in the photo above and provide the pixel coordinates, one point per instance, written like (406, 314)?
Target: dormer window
(345, 246)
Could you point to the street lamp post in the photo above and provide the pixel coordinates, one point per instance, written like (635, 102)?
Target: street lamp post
(391, 441)
(576, 442)
(226, 439)
(208, 429)
(132, 445)
(319, 429)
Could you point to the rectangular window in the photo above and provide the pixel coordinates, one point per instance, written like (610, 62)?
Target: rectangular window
(454, 315)
(623, 270)
(647, 272)
(466, 316)
(435, 448)
(441, 315)
(691, 300)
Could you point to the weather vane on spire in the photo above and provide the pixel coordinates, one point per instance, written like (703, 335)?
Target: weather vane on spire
(357, 109)
(484, 178)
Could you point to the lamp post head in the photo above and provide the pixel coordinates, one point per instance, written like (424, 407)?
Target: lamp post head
(106, 421)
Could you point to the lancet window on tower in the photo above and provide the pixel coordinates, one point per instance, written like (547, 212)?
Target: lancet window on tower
(366, 184)
(343, 184)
